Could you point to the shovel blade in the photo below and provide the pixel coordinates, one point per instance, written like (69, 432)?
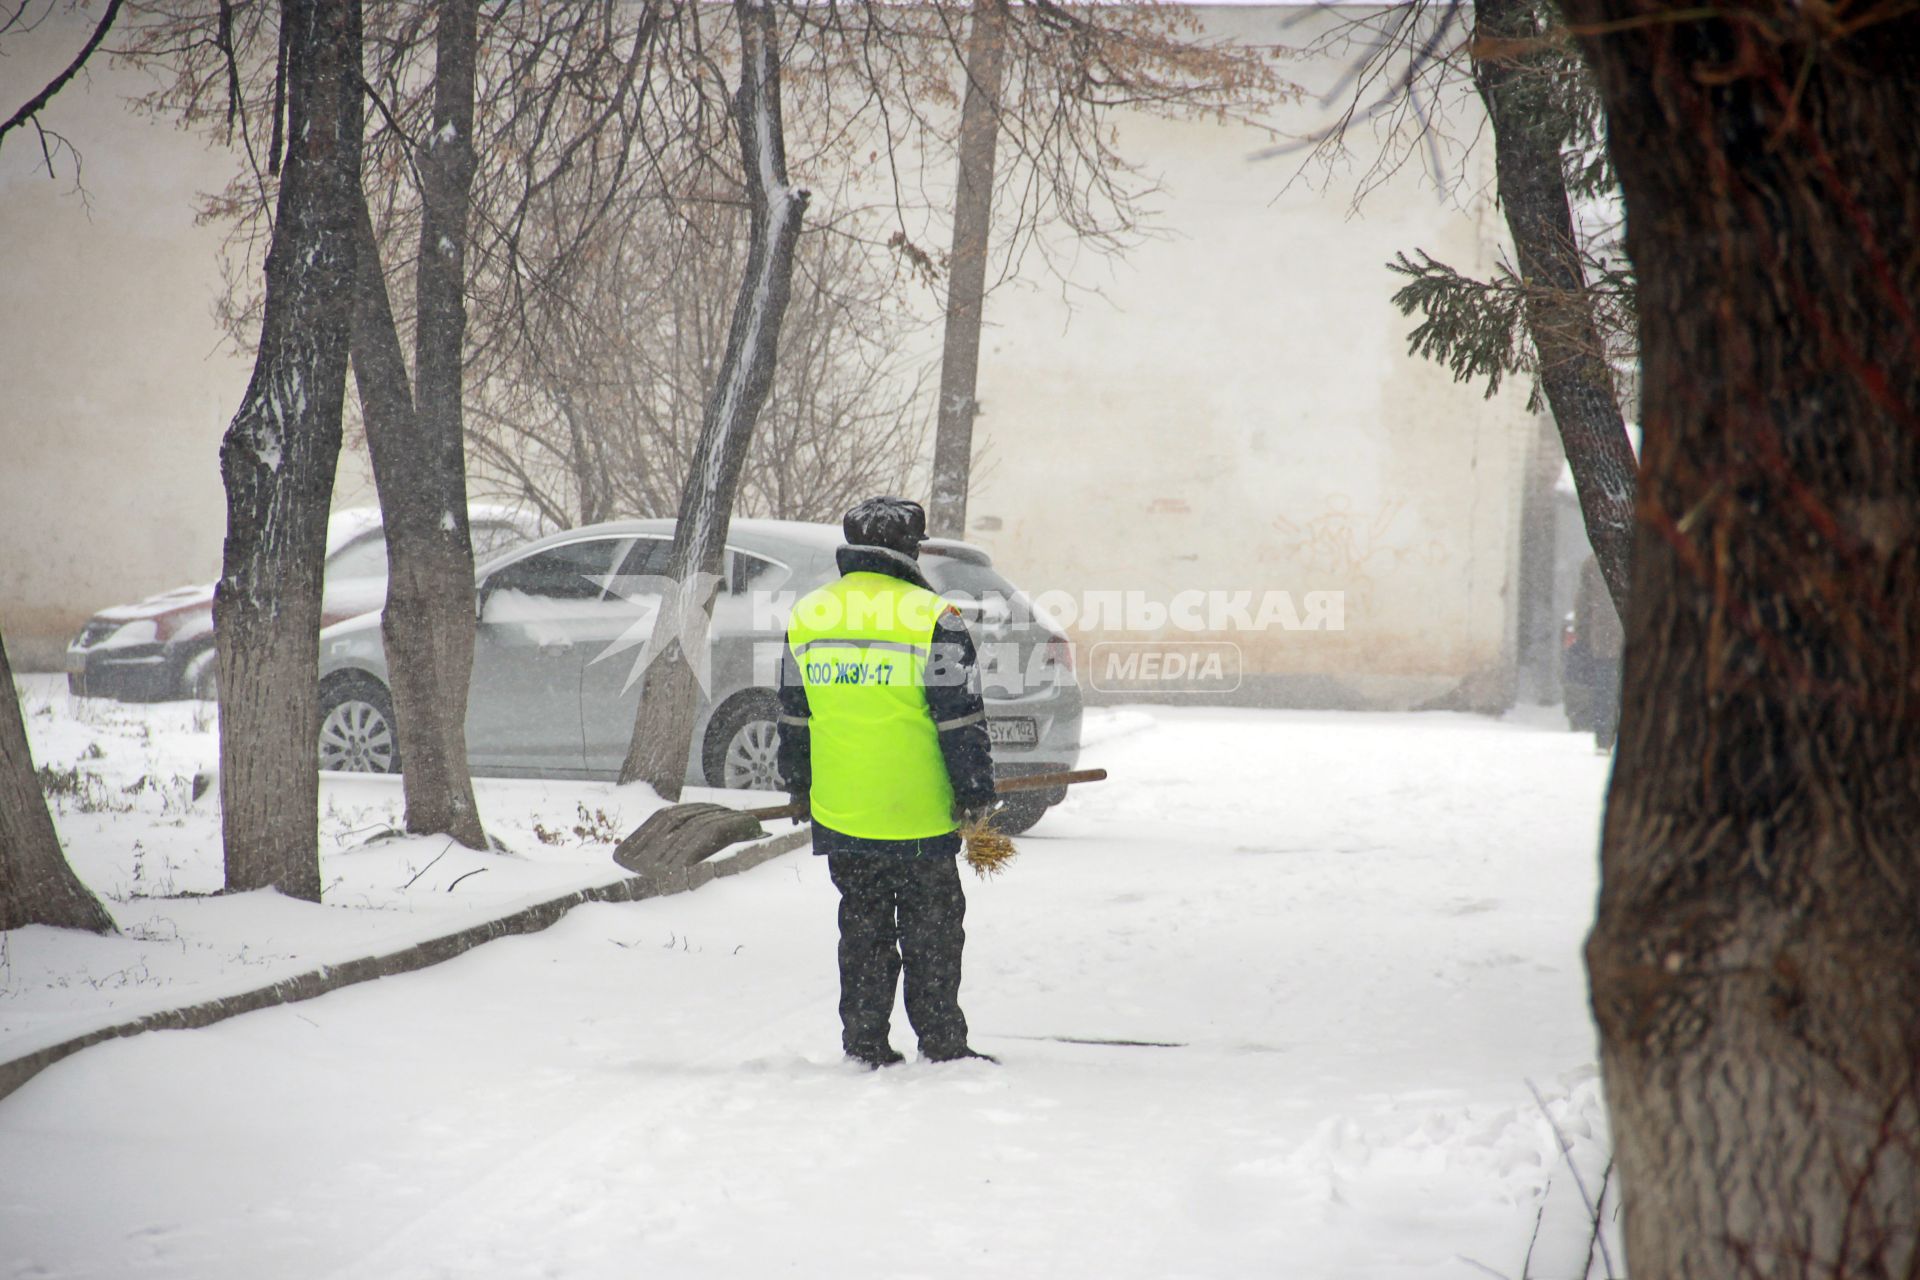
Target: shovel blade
(682, 835)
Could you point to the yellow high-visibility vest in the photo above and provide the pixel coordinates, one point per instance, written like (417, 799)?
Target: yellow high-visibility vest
(862, 645)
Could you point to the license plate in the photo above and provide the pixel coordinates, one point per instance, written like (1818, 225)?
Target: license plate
(1013, 731)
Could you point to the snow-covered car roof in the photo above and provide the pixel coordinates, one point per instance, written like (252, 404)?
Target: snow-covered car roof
(748, 533)
(751, 534)
(346, 525)
(351, 523)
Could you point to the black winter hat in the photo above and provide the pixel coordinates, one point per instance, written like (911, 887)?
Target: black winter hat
(893, 523)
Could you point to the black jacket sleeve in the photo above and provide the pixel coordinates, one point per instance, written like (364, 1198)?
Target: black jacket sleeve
(959, 712)
(796, 741)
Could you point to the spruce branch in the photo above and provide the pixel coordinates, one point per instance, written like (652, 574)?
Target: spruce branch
(1477, 328)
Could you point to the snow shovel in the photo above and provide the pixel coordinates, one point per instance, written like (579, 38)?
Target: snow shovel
(682, 835)
(988, 851)
(1029, 782)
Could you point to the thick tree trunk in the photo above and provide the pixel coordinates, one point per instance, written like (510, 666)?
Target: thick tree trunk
(1756, 961)
(967, 271)
(278, 462)
(1573, 368)
(419, 458)
(36, 884)
(669, 695)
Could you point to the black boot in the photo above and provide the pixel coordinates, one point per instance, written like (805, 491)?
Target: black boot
(957, 1055)
(875, 1056)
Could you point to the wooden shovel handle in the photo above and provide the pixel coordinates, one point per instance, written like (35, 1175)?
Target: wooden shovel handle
(1041, 781)
(1026, 782)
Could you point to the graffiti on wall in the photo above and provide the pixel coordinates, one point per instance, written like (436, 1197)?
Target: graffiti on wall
(1356, 548)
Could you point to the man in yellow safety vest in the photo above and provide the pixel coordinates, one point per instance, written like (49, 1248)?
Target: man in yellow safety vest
(883, 736)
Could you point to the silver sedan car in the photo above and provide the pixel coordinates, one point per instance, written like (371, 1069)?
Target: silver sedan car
(562, 621)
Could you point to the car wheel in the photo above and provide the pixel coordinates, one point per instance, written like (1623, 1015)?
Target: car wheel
(201, 677)
(742, 749)
(356, 728)
(1017, 814)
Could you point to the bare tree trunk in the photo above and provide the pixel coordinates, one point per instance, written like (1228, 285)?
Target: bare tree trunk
(419, 458)
(379, 366)
(1573, 368)
(669, 696)
(967, 271)
(278, 462)
(590, 481)
(36, 884)
(1756, 961)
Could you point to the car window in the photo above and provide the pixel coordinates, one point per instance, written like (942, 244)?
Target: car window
(365, 558)
(569, 572)
(966, 580)
(647, 558)
(978, 590)
(491, 538)
(750, 572)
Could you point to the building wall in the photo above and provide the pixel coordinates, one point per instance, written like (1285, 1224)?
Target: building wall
(1239, 411)
(1231, 406)
(116, 383)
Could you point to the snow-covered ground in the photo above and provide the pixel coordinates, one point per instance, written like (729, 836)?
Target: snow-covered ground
(122, 781)
(1353, 942)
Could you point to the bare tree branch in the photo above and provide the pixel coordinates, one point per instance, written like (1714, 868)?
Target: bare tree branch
(38, 101)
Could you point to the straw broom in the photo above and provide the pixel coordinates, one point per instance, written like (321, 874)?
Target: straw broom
(988, 851)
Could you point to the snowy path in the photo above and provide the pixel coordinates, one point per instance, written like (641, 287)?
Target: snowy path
(1363, 932)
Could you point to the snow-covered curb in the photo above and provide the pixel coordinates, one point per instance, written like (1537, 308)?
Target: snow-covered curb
(119, 778)
(420, 955)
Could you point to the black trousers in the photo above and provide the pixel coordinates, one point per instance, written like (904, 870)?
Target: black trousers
(900, 912)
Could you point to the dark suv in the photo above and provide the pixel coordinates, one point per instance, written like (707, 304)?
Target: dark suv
(162, 647)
